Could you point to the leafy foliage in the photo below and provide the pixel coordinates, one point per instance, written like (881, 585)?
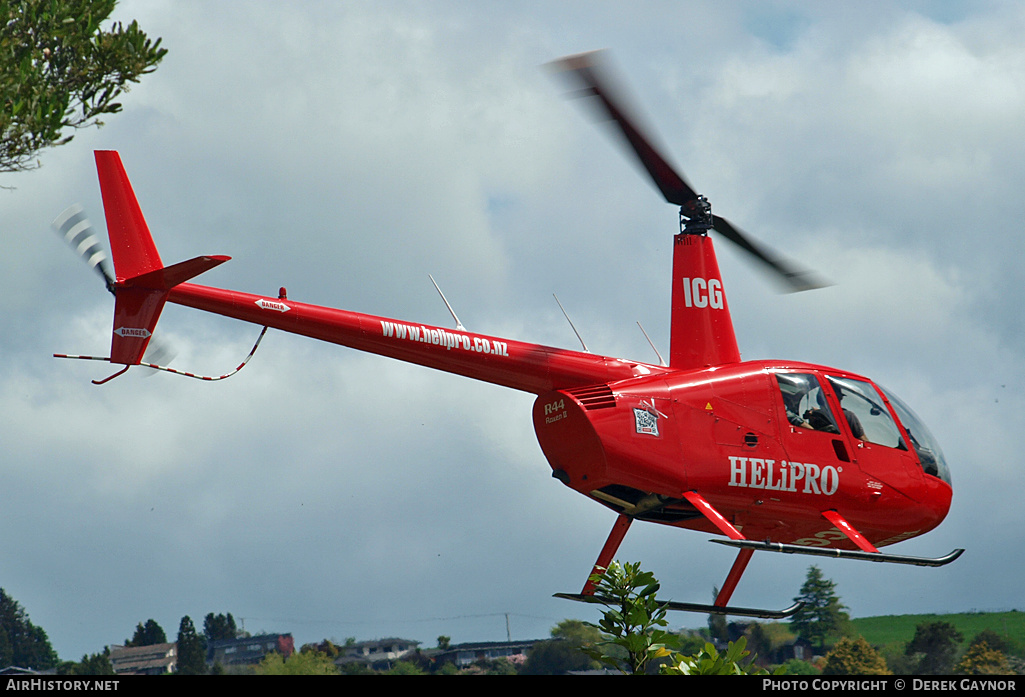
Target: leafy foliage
(404, 668)
(22, 643)
(92, 664)
(994, 641)
(191, 649)
(980, 659)
(690, 642)
(854, 657)
(299, 663)
(633, 625)
(219, 626)
(564, 651)
(147, 634)
(60, 70)
(936, 643)
(822, 617)
(327, 647)
(709, 661)
(796, 666)
(486, 666)
(634, 622)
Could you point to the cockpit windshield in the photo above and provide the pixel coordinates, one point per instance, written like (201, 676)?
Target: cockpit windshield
(929, 453)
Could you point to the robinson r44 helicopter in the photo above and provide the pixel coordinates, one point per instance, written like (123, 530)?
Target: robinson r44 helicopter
(772, 455)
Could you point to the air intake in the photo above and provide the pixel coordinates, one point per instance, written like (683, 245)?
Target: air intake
(594, 397)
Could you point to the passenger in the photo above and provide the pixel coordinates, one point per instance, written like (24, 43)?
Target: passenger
(857, 430)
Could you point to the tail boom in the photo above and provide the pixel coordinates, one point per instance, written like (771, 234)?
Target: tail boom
(518, 365)
(143, 285)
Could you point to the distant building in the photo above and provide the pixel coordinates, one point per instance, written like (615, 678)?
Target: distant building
(378, 654)
(798, 648)
(248, 651)
(155, 659)
(15, 670)
(463, 655)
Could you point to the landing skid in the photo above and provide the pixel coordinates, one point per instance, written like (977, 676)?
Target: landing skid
(696, 607)
(866, 552)
(841, 553)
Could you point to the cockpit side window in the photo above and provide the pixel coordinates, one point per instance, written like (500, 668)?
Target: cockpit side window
(805, 402)
(866, 413)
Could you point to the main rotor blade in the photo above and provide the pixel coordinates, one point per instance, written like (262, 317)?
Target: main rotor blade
(586, 69)
(795, 279)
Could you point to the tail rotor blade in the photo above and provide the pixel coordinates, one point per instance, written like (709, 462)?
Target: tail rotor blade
(159, 352)
(77, 231)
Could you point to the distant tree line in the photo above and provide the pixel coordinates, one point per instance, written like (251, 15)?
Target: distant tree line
(646, 644)
(22, 643)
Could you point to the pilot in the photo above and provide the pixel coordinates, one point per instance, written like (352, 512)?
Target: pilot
(820, 418)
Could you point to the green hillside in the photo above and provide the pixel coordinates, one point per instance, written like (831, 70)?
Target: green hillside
(894, 629)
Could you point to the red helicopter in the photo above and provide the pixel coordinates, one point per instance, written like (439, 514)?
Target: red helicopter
(773, 455)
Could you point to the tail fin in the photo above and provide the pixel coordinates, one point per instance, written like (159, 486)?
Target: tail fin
(701, 334)
(142, 282)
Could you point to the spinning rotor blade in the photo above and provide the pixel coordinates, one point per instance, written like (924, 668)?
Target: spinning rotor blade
(795, 279)
(77, 231)
(586, 69)
(159, 352)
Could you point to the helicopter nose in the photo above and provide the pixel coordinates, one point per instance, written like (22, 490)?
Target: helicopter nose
(936, 496)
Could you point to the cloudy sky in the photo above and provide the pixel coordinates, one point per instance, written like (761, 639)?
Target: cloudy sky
(346, 150)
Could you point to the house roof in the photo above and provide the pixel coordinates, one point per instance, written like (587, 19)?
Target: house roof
(131, 659)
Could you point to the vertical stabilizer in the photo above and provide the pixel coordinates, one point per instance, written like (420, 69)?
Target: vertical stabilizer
(142, 282)
(701, 330)
(131, 244)
(136, 310)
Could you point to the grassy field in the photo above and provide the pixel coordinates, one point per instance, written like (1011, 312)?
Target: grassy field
(894, 629)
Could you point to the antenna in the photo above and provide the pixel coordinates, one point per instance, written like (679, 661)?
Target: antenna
(661, 361)
(459, 325)
(579, 338)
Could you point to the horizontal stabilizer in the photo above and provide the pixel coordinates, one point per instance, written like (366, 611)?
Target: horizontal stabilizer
(139, 302)
(168, 277)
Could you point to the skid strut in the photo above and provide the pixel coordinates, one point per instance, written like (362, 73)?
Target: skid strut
(720, 607)
(608, 551)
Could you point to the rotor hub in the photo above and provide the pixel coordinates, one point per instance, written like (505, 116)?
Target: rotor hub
(696, 216)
